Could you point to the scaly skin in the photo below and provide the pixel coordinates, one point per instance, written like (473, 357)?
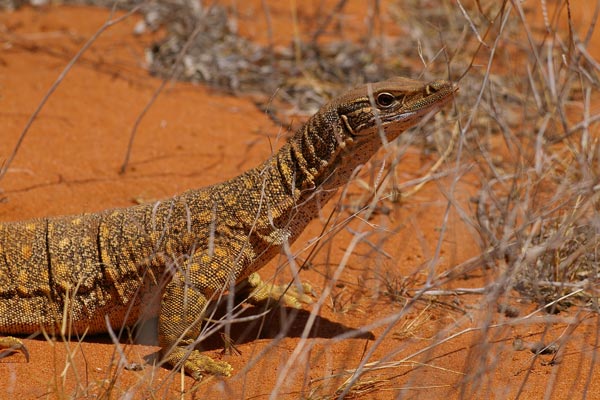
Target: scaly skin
(194, 246)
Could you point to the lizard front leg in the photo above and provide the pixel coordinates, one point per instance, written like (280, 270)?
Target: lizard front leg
(183, 307)
(179, 326)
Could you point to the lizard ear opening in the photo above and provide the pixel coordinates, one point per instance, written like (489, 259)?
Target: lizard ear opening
(430, 89)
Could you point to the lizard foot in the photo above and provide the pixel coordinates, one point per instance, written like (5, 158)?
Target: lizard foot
(290, 295)
(12, 345)
(197, 364)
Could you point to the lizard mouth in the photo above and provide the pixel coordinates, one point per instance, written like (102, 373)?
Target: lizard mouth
(392, 123)
(399, 111)
(421, 107)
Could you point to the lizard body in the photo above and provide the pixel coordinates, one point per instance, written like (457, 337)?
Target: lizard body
(92, 268)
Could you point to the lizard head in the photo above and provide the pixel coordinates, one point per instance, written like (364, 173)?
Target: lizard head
(391, 106)
(348, 130)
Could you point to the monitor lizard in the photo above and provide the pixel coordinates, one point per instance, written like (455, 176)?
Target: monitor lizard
(95, 269)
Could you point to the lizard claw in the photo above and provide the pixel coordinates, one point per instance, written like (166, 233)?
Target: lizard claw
(289, 294)
(197, 364)
(11, 345)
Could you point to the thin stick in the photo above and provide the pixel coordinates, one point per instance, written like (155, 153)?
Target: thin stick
(336, 11)
(155, 95)
(109, 23)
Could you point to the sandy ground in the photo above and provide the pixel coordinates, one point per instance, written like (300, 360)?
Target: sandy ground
(192, 137)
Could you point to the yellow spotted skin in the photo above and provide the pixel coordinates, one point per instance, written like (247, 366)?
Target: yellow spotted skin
(192, 248)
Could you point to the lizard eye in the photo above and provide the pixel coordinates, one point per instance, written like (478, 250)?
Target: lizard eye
(385, 99)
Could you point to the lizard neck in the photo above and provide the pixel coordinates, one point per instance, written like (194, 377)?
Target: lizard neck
(288, 190)
(309, 159)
